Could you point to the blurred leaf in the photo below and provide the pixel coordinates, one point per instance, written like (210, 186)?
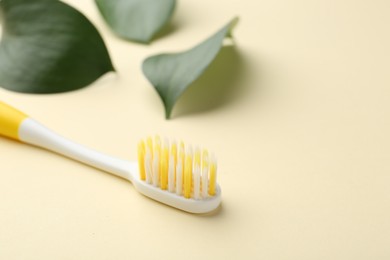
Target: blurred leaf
(136, 20)
(49, 47)
(172, 74)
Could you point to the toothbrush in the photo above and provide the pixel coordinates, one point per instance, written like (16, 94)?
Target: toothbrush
(170, 173)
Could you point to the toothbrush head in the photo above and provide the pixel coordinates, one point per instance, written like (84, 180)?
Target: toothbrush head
(178, 175)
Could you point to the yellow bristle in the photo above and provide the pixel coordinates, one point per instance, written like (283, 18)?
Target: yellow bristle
(173, 166)
(141, 159)
(213, 177)
(182, 154)
(164, 175)
(179, 175)
(205, 173)
(174, 154)
(174, 151)
(166, 152)
(164, 167)
(157, 142)
(196, 175)
(188, 175)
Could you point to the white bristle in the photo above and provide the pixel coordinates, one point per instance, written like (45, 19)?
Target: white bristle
(156, 169)
(171, 174)
(148, 166)
(189, 150)
(213, 158)
(165, 163)
(179, 178)
(166, 143)
(205, 181)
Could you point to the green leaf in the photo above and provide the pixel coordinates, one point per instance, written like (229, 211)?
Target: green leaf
(136, 20)
(48, 47)
(172, 74)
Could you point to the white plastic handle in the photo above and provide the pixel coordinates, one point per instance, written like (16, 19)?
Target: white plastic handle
(32, 132)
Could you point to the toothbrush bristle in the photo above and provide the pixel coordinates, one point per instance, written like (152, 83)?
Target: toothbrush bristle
(176, 168)
(141, 159)
(213, 176)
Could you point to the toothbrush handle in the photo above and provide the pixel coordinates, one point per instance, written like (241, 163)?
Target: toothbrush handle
(16, 125)
(10, 121)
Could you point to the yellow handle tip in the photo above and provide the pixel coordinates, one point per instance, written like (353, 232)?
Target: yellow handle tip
(10, 121)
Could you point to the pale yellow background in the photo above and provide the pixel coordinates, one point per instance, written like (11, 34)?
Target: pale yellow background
(301, 131)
